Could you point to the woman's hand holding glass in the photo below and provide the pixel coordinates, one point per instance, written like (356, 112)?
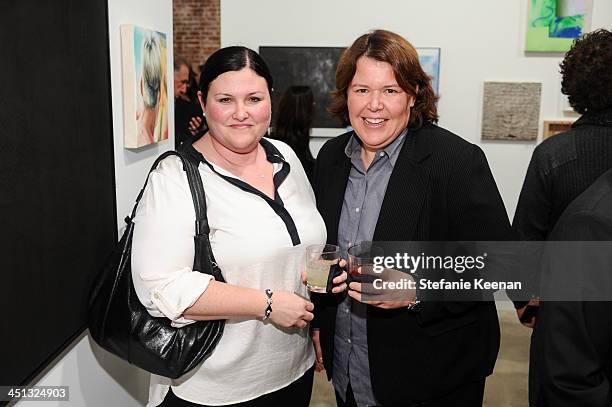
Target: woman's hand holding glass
(361, 288)
(339, 282)
(290, 310)
(366, 293)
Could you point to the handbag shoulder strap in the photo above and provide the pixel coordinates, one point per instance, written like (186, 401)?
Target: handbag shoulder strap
(204, 260)
(195, 185)
(141, 193)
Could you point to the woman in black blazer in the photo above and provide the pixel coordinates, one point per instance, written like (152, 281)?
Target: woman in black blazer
(399, 177)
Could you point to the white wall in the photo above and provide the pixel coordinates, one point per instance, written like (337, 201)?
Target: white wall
(479, 40)
(95, 377)
(131, 166)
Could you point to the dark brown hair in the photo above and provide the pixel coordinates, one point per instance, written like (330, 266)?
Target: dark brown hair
(392, 48)
(294, 120)
(587, 72)
(232, 59)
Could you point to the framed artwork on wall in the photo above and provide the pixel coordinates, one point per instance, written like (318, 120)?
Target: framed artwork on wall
(145, 93)
(430, 61)
(553, 127)
(552, 25)
(511, 110)
(305, 66)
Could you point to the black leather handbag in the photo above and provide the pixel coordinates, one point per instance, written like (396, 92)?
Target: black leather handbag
(119, 322)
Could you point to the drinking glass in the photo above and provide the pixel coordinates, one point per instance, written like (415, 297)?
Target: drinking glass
(361, 260)
(320, 258)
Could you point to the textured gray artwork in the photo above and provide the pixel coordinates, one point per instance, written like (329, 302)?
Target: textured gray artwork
(511, 110)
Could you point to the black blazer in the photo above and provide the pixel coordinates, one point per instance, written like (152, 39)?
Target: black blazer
(571, 351)
(442, 189)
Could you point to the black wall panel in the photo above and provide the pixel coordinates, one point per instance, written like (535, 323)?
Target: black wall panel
(57, 199)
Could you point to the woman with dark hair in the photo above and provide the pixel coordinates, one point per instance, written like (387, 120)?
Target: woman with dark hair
(294, 121)
(261, 212)
(398, 177)
(564, 166)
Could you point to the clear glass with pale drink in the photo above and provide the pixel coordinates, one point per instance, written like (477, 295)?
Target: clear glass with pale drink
(320, 260)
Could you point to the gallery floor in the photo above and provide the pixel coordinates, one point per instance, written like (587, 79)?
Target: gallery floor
(507, 387)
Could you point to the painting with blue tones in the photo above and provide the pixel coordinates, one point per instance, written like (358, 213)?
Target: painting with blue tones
(145, 86)
(566, 27)
(554, 24)
(430, 62)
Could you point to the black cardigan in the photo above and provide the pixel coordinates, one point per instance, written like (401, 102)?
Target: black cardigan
(441, 188)
(561, 168)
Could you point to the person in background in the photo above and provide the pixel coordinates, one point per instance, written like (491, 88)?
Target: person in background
(293, 123)
(192, 86)
(181, 77)
(261, 211)
(563, 166)
(187, 111)
(399, 177)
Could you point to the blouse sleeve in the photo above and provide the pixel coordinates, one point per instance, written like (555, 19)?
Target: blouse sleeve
(163, 245)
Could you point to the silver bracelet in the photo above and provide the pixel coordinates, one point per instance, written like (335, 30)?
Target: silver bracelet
(268, 310)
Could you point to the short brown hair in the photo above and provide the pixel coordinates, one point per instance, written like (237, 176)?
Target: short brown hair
(392, 48)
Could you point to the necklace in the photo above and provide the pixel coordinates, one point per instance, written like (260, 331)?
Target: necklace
(231, 165)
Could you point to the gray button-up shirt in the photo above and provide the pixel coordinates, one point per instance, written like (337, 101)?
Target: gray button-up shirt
(363, 198)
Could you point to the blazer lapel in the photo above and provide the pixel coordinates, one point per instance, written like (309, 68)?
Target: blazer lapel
(407, 191)
(332, 173)
(339, 174)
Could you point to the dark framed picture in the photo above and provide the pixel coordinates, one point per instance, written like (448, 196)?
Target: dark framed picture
(305, 66)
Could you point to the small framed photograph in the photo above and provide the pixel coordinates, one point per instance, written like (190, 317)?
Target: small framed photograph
(552, 127)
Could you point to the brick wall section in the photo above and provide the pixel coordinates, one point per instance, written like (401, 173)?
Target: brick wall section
(196, 29)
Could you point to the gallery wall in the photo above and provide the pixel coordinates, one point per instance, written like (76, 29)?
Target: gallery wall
(132, 165)
(196, 29)
(481, 40)
(95, 377)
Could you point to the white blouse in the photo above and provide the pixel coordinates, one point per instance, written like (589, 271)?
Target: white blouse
(253, 248)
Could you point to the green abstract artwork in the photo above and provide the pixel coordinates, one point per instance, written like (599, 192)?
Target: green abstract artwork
(554, 24)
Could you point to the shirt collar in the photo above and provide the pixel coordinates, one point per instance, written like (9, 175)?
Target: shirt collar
(601, 118)
(353, 147)
(272, 154)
